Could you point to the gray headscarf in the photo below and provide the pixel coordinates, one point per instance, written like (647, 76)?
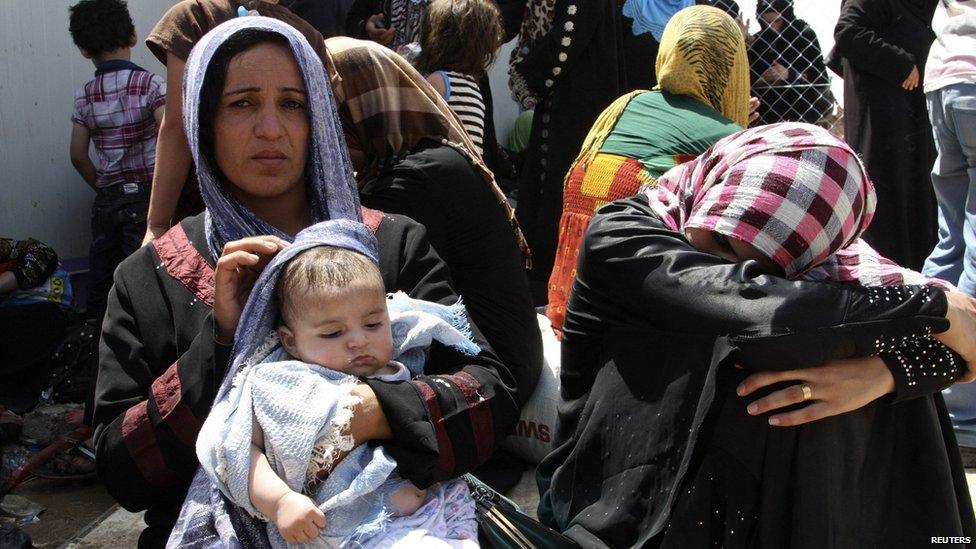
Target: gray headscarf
(331, 188)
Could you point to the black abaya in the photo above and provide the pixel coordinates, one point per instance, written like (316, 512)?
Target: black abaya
(879, 41)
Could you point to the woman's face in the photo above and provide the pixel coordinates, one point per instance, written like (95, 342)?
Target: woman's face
(261, 126)
(729, 248)
(773, 20)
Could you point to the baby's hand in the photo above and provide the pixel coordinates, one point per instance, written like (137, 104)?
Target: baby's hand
(297, 518)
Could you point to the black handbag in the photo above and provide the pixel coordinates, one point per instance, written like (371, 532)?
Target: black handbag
(502, 526)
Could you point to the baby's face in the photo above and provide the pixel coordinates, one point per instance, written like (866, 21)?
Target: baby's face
(347, 330)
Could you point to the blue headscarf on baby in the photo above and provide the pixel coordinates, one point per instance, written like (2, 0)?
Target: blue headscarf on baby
(260, 315)
(331, 188)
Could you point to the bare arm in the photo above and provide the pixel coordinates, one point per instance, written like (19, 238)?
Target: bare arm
(172, 154)
(80, 138)
(264, 487)
(436, 80)
(297, 517)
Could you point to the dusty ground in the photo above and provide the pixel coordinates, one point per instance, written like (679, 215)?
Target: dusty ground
(71, 506)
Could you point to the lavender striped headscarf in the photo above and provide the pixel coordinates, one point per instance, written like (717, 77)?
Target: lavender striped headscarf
(332, 192)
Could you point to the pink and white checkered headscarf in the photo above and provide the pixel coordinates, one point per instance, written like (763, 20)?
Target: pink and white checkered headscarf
(793, 191)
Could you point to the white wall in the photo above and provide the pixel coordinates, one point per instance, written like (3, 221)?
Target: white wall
(40, 69)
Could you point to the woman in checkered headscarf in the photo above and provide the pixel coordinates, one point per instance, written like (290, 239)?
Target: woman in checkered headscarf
(794, 192)
(739, 369)
(702, 95)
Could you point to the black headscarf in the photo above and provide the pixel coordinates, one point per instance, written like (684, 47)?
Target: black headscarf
(782, 7)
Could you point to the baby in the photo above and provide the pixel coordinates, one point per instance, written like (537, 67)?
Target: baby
(333, 312)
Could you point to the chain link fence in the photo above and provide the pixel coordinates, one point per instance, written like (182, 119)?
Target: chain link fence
(787, 42)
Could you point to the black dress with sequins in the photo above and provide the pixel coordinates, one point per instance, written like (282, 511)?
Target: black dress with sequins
(655, 449)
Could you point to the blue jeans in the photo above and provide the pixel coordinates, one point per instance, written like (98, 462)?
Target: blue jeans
(952, 111)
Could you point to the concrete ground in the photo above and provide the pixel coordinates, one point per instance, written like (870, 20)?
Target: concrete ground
(83, 516)
(71, 506)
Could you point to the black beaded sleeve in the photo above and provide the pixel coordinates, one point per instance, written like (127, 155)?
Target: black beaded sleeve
(920, 366)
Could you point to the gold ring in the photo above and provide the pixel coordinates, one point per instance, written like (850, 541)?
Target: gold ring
(807, 391)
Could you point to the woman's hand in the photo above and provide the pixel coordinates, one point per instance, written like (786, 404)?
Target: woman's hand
(776, 73)
(238, 267)
(368, 422)
(753, 109)
(911, 82)
(837, 387)
(961, 335)
(297, 518)
(377, 29)
(368, 419)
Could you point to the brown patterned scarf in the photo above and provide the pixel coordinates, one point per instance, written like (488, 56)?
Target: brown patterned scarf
(387, 107)
(536, 24)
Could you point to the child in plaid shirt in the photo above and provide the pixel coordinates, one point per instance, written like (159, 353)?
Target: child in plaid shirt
(120, 111)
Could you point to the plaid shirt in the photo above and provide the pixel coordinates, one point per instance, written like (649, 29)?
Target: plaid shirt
(117, 108)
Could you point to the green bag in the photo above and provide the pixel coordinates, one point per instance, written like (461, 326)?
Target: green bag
(502, 525)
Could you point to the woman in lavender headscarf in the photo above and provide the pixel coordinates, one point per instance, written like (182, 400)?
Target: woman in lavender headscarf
(261, 124)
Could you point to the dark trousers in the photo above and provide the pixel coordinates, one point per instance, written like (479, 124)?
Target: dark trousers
(118, 223)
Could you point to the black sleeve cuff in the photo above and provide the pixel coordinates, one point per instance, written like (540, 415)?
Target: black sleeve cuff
(921, 367)
(414, 444)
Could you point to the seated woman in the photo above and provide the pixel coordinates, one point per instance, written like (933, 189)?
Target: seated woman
(740, 370)
(701, 97)
(411, 157)
(445, 189)
(270, 158)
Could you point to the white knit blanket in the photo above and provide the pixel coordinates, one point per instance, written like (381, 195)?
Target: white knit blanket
(304, 411)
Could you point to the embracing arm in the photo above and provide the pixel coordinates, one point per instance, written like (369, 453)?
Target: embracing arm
(445, 423)
(148, 413)
(635, 271)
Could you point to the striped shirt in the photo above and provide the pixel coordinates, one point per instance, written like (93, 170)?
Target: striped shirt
(464, 97)
(117, 108)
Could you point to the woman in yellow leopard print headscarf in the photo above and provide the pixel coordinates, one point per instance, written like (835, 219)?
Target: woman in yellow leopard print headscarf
(702, 96)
